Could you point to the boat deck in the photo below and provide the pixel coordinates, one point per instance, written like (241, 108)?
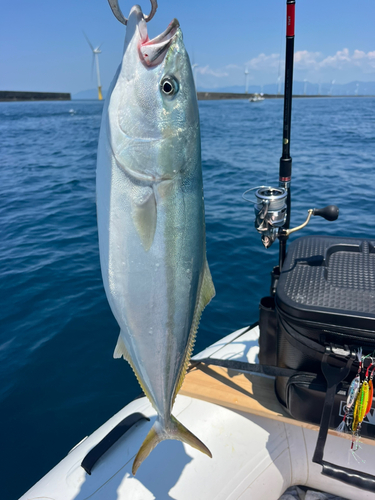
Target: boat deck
(243, 392)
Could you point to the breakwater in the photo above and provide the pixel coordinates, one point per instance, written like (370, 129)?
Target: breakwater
(10, 95)
(218, 96)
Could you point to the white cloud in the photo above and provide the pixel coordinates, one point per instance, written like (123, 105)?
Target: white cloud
(303, 59)
(206, 70)
(344, 65)
(264, 62)
(344, 60)
(365, 61)
(233, 66)
(338, 61)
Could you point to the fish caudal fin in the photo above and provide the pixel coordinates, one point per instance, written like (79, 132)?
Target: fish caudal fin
(157, 434)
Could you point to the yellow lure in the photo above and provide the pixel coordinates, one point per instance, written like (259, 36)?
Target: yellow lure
(360, 405)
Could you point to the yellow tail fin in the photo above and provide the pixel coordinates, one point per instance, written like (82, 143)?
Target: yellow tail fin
(157, 434)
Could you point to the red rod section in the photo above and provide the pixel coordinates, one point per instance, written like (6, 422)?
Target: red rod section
(290, 17)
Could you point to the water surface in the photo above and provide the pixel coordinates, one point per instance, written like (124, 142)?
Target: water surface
(58, 381)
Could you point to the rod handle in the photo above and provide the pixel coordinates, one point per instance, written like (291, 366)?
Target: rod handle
(330, 212)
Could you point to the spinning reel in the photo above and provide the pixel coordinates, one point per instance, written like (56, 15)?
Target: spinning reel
(270, 207)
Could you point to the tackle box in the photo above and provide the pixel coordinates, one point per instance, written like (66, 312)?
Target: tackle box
(325, 298)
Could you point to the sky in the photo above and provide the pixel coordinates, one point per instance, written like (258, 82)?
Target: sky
(43, 47)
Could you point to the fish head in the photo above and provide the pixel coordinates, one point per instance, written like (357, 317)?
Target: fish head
(153, 108)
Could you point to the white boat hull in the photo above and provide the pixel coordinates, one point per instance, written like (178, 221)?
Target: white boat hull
(253, 457)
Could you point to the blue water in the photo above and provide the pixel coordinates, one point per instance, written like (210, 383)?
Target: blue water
(58, 380)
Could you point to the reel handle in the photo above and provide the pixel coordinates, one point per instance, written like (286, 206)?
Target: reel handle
(331, 212)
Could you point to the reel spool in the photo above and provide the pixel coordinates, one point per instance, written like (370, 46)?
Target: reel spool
(270, 211)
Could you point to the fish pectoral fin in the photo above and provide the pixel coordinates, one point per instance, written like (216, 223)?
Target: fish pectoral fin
(120, 350)
(144, 215)
(157, 433)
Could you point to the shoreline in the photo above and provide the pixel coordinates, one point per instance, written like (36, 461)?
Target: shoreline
(216, 96)
(14, 96)
(18, 96)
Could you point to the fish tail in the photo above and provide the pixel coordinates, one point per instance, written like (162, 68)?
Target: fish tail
(157, 434)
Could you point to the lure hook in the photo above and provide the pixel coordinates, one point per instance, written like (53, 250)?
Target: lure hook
(120, 16)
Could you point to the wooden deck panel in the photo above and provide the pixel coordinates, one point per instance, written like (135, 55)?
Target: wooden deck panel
(243, 392)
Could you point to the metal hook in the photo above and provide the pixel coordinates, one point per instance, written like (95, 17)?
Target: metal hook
(120, 16)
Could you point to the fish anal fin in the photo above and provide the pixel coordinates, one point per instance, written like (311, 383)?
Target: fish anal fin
(208, 289)
(120, 350)
(207, 292)
(144, 216)
(174, 430)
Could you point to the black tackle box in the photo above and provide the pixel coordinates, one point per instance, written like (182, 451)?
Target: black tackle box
(325, 297)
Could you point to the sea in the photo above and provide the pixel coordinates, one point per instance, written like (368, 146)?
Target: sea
(58, 379)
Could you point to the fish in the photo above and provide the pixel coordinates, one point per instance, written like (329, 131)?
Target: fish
(151, 221)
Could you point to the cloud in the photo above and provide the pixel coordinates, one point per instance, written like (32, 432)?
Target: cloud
(344, 60)
(365, 61)
(264, 62)
(315, 61)
(338, 61)
(206, 70)
(264, 68)
(303, 59)
(233, 66)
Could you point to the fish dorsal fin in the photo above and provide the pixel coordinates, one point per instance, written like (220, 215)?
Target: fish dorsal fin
(207, 292)
(145, 216)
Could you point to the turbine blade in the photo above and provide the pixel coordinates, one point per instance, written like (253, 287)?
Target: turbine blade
(88, 41)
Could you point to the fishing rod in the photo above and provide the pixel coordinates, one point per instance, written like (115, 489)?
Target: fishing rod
(273, 204)
(285, 170)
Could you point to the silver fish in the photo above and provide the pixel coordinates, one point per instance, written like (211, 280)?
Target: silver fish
(151, 218)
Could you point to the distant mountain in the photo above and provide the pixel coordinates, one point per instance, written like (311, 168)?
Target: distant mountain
(300, 88)
(91, 94)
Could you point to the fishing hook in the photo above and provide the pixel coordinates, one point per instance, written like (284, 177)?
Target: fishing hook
(120, 16)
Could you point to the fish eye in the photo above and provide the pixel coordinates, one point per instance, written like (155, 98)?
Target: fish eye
(169, 85)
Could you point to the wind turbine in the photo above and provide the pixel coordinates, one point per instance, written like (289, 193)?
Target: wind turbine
(246, 76)
(332, 83)
(95, 54)
(279, 85)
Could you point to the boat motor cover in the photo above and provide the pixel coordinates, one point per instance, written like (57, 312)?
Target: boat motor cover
(325, 297)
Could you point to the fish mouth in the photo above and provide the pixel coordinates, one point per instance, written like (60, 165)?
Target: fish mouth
(152, 52)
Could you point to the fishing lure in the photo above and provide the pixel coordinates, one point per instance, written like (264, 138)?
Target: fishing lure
(359, 414)
(352, 394)
(360, 406)
(371, 389)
